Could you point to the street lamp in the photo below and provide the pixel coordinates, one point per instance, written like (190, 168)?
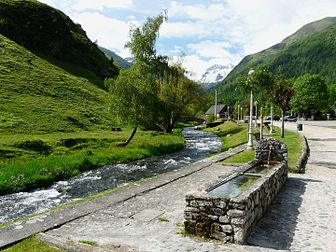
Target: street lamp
(256, 113)
(271, 130)
(238, 111)
(250, 132)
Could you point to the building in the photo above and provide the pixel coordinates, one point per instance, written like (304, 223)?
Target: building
(222, 111)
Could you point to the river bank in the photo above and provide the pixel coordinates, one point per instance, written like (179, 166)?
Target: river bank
(200, 171)
(199, 145)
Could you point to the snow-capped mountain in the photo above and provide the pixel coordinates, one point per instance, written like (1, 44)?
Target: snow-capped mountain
(129, 59)
(215, 74)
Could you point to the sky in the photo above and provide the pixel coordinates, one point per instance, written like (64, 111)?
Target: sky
(198, 33)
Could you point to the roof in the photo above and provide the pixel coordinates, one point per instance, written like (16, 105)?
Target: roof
(221, 108)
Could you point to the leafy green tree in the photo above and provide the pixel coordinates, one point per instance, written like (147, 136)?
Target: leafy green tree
(151, 94)
(179, 96)
(332, 96)
(281, 94)
(259, 82)
(311, 93)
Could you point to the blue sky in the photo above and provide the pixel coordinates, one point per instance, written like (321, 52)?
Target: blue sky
(204, 32)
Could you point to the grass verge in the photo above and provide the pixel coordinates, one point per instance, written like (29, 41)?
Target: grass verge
(33, 161)
(293, 141)
(231, 133)
(294, 144)
(240, 158)
(32, 244)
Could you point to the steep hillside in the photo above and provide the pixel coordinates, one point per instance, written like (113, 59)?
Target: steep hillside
(51, 34)
(312, 49)
(37, 96)
(119, 61)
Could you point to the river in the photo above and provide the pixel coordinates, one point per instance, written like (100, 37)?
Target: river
(199, 145)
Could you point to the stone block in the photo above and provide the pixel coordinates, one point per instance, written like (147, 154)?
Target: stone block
(227, 229)
(218, 235)
(224, 219)
(220, 204)
(192, 210)
(218, 211)
(190, 227)
(188, 216)
(213, 217)
(235, 213)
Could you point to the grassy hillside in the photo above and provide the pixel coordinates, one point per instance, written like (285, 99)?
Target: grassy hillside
(37, 96)
(312, 49)
(122, 63)
(50, 33)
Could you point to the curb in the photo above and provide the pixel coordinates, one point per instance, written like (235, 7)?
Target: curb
(301, 164)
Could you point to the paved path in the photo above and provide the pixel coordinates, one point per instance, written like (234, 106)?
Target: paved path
(302, 218)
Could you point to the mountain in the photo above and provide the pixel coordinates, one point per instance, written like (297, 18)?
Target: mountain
(119, 61)
(312, 49)
(51, 34)
(45, 91)
(129, 59)
(215, 74)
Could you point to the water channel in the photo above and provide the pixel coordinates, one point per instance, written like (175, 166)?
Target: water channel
(199, 145)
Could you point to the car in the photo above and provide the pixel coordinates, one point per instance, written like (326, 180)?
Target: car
(290, 118)
(275, 118)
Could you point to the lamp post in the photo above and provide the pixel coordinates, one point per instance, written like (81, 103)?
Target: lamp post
(241, 113)
(250, 132)
(256, 114)
(271, 129)
(215, 109)
(238, 111)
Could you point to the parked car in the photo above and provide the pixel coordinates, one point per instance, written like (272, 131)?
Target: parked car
(290, 119)
(275, 118)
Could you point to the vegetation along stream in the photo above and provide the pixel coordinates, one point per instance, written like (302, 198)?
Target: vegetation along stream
(199, 144)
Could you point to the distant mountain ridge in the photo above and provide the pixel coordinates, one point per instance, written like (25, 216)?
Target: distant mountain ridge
(215, 74)
(312, 49)
(119, 61)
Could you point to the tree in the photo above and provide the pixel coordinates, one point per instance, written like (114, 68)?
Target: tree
(260, 83)
(311, 93)
(151, 94)
(281, 95)
(181, 97)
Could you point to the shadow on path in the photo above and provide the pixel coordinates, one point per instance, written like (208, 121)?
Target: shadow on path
(276, 229)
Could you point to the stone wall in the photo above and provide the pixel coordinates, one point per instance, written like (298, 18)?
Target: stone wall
(232, 219)
(271, 149)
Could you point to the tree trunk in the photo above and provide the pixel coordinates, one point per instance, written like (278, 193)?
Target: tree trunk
(282, 124)
(261, 124)
(124, 144)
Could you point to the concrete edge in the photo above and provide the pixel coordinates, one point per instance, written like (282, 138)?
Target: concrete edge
(301, 164)
(10, 235)
(75, 246)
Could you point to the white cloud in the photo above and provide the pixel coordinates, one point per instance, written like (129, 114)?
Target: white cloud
(198, 11)
(211, 48)
(110, 33)
(100, 5)
(207, 28)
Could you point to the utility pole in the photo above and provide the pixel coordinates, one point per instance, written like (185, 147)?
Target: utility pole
(215, 110)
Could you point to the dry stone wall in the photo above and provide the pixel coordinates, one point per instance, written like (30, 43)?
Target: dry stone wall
(232, 219)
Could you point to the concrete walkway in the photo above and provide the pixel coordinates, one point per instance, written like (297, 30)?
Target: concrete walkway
(302, 218)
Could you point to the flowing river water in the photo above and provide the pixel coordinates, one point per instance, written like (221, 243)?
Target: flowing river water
(199, 145)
